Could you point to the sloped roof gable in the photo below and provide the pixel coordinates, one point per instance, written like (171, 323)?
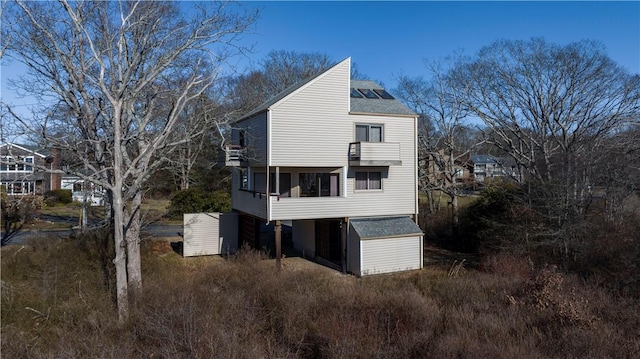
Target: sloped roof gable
(385, 227)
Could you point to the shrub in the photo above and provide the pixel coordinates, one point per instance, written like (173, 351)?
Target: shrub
(16, 211)
(195, 200)
(58, 196)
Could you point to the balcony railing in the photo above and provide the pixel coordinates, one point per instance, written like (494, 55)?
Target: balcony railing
(234, 156)
(374, 154)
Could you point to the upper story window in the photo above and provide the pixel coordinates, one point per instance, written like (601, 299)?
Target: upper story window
(242, 138)
(368, 133)
(317, 184)
(9, 165)
(368, 180)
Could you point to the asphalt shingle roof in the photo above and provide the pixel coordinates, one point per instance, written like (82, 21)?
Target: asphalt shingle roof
(382, 227)
(377, 106)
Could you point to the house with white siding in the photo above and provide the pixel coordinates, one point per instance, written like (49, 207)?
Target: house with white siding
(489, 167)
(336, 159)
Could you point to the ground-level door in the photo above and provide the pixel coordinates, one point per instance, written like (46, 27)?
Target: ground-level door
(329, 240)
(248, 231)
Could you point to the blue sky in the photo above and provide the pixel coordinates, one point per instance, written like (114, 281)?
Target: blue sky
(386, 39)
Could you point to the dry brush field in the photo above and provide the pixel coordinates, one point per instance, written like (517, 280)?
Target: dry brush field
(57, 303)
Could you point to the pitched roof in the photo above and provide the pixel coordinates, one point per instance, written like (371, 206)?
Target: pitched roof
(504, 161)
(483, 159)
(385, 227)
(28, 148)
(358, 105)
(379, 105)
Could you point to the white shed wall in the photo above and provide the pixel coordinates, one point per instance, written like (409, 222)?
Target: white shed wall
(391, 255)
(209, 233)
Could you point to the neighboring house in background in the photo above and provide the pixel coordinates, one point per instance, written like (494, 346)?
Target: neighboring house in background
(440, 172)
(80, 191)
(23, 178)
(337, 159)
(487, 166)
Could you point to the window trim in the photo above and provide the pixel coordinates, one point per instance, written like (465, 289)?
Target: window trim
(318, 182)
(369, 126)
(368, 173)
(7, 167)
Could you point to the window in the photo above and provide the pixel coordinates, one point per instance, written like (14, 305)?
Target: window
(319, 185)
(244, 178)
(384, 94)
(8, 166)
(368, 133)
(242, 138)
(260, 182)
(368, 93)
(19, 188)
(368, 180)
(355, 93)
(285, 184)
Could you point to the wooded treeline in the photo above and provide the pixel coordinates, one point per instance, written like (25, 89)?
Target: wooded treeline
(142, 106)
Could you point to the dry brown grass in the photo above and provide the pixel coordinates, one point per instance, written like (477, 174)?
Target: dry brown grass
(56, 303)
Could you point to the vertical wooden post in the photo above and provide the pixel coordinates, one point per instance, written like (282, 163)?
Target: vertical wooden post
(343, 244)
(278, 245)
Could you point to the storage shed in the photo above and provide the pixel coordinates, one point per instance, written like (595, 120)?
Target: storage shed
(384, 245)
(209, 233)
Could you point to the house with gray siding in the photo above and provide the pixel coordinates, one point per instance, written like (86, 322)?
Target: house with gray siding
(21, 170)
(336, 159)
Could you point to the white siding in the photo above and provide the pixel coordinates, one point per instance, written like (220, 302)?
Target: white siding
(249, 203)
(390, 255)
(256, 137)
(397, 196)
(311, 127)
(209, 233)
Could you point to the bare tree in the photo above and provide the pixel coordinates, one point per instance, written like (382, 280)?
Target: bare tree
(125, 71)
(550, 107)
(443, 139)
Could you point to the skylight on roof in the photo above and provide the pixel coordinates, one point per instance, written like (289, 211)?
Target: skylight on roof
(384, 94)
(368, 93)
(355, 93)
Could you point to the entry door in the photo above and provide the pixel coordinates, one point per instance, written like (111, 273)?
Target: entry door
(328, 240)
(249, 231)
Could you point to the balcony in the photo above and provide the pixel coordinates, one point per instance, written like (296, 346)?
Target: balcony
(233, 156)
(374, 154)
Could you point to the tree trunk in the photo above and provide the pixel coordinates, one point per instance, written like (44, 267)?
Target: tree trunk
(134, 269)
(455, 221)
(120, 260)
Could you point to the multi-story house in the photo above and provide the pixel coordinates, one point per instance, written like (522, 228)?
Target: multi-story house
(336, 159)
(487, 166)
(21, 170)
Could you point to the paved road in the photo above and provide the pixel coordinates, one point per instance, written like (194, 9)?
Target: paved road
(152, 230)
